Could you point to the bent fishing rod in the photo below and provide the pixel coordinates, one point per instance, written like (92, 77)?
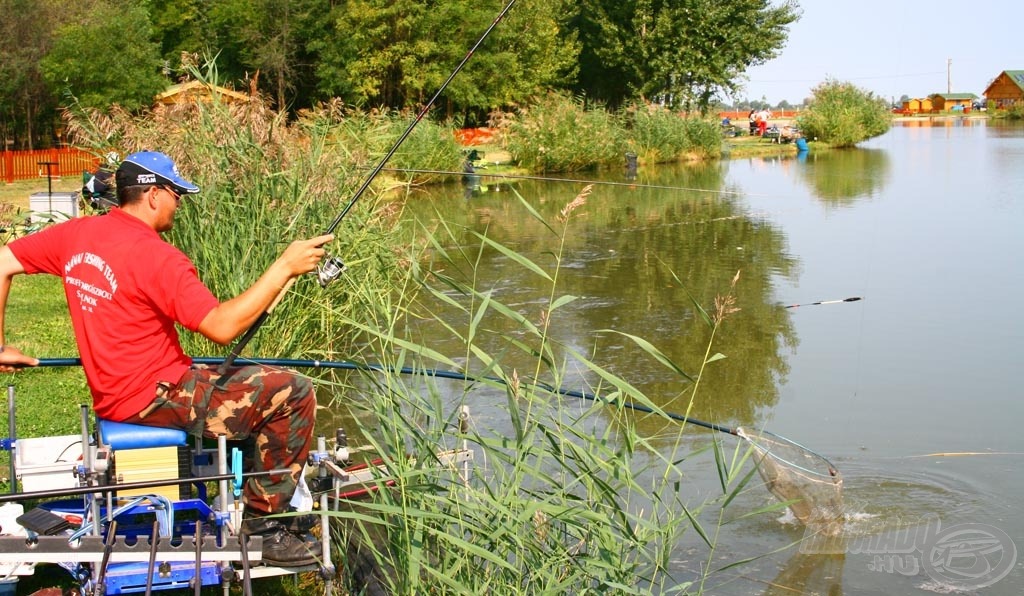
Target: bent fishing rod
(332, 266)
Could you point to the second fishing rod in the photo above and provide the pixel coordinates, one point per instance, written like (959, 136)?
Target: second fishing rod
(333, 267)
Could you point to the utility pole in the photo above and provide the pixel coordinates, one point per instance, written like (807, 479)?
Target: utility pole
(949, 79)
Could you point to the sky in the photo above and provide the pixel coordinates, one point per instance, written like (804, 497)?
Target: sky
(894, 48)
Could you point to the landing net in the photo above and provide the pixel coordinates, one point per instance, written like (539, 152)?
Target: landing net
(809, 483)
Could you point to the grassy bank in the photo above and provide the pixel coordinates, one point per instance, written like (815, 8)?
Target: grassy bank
(18, 192)
(753, 146)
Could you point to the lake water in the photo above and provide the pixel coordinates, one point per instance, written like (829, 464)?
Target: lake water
(924, 224)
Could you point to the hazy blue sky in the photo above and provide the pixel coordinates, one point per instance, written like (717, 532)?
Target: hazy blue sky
(894, 47)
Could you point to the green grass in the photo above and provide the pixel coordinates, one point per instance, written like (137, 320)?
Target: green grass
(18, 192)
(753, 146)
(38, 324)
(47, 400)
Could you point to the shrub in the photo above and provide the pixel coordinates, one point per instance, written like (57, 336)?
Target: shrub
(658, 135)
(560, 134)
(1014, 112)
(843, 115)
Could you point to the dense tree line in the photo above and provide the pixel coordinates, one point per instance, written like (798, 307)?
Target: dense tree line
(376, 53)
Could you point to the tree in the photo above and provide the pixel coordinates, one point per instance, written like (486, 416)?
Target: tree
(106, 57)
(270, 37)
(25, 36)
(397, 53)
(684, 51)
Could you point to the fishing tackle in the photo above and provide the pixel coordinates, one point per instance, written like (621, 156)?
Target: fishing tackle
(850, 299)
(333, 267)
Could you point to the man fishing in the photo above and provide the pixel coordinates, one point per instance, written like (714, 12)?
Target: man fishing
(126, 289)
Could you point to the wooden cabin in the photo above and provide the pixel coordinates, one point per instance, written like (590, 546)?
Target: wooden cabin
(917, 105)
(1006, 90)
(953, 102)
(198, 91)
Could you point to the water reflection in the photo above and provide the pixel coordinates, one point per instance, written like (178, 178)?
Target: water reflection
(839, 178)
(634, 256)
(939, 122)
(809, 574)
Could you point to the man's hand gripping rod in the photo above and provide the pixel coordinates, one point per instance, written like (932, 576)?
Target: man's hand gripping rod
(333, 267)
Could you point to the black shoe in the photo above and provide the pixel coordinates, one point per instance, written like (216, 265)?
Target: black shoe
(282, 547)
(285, 549)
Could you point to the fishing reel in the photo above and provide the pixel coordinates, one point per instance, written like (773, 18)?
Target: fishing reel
(330, 270)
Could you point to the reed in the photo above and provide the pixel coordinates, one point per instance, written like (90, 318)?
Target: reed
(563, 496)
(562, 134)
(657, 134)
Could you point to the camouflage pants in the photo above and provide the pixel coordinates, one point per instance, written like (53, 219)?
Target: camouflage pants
(271, 409)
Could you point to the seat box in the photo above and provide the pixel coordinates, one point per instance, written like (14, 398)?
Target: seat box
(56, 207)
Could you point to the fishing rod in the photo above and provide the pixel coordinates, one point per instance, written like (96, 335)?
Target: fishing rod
(426, 372)
(550, 179)
(332, 266)
(850, 299)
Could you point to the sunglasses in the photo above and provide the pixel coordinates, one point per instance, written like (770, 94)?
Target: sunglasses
(174, 193)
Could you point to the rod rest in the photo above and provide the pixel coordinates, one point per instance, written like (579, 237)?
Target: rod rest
(122, 435)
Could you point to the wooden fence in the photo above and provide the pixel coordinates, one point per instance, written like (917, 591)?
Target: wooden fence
(24, 165)
(737, 115)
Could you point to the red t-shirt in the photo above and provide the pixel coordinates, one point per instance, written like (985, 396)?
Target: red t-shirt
(126, 288)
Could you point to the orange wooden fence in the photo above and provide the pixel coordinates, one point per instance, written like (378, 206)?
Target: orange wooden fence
(743, 114)
(66, 161)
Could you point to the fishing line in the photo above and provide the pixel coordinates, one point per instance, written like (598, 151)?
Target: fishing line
(333, 267)
(584, 181)
(427, 372)
(569, 180)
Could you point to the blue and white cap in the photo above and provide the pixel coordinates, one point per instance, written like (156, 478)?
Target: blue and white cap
(152, 167)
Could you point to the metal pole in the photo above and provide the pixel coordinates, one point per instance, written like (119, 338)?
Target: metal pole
(49, 184)
(10, 435)
(111, 488)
